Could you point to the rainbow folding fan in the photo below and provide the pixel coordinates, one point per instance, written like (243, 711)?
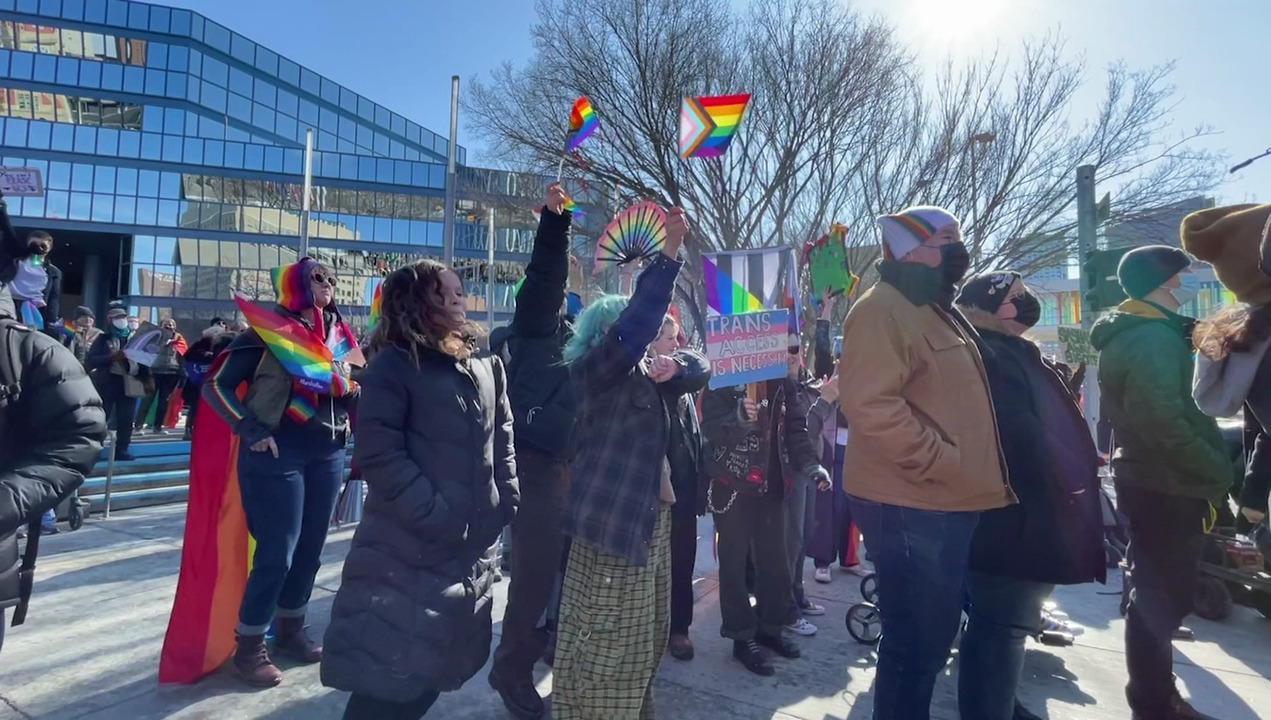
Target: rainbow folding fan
(638, 232)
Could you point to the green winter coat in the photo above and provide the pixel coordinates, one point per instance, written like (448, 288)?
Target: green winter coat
(1164, 442)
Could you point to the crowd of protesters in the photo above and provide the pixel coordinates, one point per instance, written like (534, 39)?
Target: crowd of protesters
(937, 432)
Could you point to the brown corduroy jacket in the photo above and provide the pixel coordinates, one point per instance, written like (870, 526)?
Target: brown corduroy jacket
(913, 389)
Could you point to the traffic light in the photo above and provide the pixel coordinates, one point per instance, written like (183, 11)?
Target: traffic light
(1099, 279)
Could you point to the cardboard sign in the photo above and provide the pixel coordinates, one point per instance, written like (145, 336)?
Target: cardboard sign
(21, 181)
(747, 348)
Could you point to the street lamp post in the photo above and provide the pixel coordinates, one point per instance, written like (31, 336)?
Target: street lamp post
(978, 142)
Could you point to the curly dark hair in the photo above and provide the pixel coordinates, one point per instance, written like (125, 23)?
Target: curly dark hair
(413, 315)
(1236, 329)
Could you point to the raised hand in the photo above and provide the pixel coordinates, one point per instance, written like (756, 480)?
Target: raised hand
(749, 410)
(676, 229)
(555, 198)
(663, 368)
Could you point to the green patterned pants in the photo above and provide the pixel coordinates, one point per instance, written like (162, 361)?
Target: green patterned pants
(614, 623)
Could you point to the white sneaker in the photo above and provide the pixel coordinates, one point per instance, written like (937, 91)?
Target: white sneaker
(802, 627)
(811, 608)
(858, 570)
(822, 575)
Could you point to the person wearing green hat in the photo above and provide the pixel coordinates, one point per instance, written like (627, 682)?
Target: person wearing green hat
(1170, 463)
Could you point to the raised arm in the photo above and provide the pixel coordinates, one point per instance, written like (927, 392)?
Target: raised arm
(693, 375)
(540, 298)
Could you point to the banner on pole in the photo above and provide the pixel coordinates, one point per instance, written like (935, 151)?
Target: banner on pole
(747, 348)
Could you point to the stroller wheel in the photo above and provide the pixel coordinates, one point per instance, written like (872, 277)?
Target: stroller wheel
(1211, 599)
(869, 588)
(77, 516)
(864, 623)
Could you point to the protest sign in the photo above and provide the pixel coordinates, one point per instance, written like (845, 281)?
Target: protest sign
(747, 348)
(143, 346)
(21, 181)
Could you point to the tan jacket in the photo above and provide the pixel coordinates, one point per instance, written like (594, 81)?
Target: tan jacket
(922, 432)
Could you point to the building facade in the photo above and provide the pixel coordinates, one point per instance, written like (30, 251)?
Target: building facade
(172, 152)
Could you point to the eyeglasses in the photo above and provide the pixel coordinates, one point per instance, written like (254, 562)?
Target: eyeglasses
(794, 349)
(324, 279)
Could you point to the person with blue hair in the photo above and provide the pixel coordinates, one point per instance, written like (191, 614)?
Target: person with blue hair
(614, 614)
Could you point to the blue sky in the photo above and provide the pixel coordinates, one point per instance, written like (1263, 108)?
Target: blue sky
(402, 53)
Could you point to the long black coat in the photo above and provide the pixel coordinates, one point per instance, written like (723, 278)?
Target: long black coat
(434, 444)
(1055, 533)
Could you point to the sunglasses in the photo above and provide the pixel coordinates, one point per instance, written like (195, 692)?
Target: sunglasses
(793, 349)
(324, 279)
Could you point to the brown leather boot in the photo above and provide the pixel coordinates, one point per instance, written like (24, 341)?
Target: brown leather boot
(251, 661)
(291, 640)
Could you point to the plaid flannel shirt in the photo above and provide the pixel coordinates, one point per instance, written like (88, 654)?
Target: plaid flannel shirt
(623, 427)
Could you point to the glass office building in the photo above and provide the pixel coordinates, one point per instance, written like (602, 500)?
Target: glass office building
(172, 154)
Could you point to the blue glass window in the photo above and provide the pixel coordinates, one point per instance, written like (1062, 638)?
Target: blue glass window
(240, 82)
(147, 211)
(273, 159)
(401, 173)
(215, 71)
(157, 55)
(160, 19)
(366, 169)
(308, 113)
(326, 142)
(293, 161)
(214, 152)
(286, 127)
(254, 157)
(103, 208)
(384, 170)
(152, 120)
(173, 121)
(196, 63)
(4, 62)
(90, 74)
(169, 212)
(108, 142)
(129, 143)
(139, 16)
(310, 82)
(172, 148)
(134, 79)
(243, 49)
(399, 124)
(126, 181)
(22, 65)
(437, 176)
(326, 165)
(346, 146)
(125, 209)
(176, 84)
(196, 27)
(59, 176)
(112, 75)
(240, 107)
(95, 11)
(263, 117)
(347, 128)
(217, 36)
(81, 206)
(266, 60)
(82, 177)
(73, 9)
(364, 137)
(85, 139)
(287, 103)
(180, 22)
(193, 151)
(67, 71)
(289, 71)
(117, 13)
(348, 100)
(39, 135)
(45, 68)
(151, 146)
(328, 121)
(366, 109)
(396, 150)
(155, 81)
(381, 144)
(330, 91)
(266, 93)
(178, 56)
(214, 97)
(234, 155)
(63, 135)
(348, 167)
(104, 181)
(58, 204)
(382, 116)
(170, 185)
(419, 175)
(412, 155)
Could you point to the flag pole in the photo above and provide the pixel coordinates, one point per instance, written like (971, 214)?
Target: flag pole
(306, 205)
(489, 276)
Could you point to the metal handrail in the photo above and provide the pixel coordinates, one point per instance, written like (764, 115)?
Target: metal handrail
(110, 473)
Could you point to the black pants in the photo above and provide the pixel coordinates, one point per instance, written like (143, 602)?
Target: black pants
(365, 707)
(1166, 542)
(683, 558)
(115, 401)
(164, 385)
(754, 527)
(537, 543)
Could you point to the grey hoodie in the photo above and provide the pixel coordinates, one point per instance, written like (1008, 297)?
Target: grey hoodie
(1221, 387)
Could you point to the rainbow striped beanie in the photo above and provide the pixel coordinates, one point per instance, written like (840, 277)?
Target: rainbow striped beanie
(911, 227)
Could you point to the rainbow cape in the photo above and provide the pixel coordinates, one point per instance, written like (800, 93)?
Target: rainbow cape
(215, 557)
(305, 357)
(708, 124)
(725, 295)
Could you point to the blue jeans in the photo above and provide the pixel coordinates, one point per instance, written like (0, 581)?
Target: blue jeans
(1004, 612)
(920, 557)
(288, 501)
(48, 521)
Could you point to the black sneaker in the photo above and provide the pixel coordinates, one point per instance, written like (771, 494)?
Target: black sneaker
(124, 455)
(521, 699)
(753, 657)
(779, 644)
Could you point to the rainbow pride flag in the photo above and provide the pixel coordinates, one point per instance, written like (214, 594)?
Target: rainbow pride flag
(582, 123)
(215, 557)
(725, 295)
(377, 301)
(708, 124)
(68, 328)
(304, 356)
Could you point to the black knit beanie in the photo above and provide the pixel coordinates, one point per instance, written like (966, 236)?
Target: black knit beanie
(987, 292)
(1144, 269)
(84, 311)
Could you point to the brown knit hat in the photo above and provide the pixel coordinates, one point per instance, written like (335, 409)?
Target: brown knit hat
(1228, 238)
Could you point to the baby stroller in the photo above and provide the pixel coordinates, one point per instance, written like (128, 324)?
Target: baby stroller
(864, 620)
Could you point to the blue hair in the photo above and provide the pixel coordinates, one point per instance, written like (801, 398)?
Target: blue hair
(593, 324)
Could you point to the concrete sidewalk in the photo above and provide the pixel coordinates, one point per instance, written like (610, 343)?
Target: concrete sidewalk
(91, 644)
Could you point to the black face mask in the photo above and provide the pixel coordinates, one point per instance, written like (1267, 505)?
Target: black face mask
(1028, 309)
(954, 262)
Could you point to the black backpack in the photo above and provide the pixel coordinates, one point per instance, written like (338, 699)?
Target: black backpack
(11, 333)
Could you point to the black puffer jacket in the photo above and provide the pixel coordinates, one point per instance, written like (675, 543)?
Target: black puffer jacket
(434, 444)
(49, 439)
(539, 388)
(1055, 533)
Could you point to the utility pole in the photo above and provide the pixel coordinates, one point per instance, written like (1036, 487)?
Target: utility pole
(305, 204)
(448, 218)
(1086, 241)
(489, 275)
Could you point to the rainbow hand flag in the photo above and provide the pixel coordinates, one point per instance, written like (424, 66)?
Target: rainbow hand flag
(377, 300)
(708, 124)
(725, 295)
(301, 353)
(68, 328)
(582, 123)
